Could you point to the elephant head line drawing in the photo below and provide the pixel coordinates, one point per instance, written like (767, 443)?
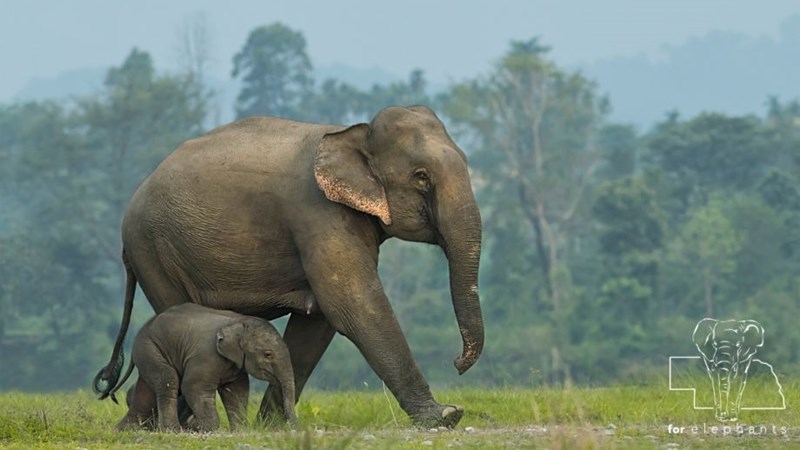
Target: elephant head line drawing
(727, 347)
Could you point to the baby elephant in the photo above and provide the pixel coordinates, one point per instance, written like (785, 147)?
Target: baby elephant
(197, 352)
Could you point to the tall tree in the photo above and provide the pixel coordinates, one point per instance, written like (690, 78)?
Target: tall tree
(194, 46)
(275, 70)
(707, 153)
(131, 127)
(537, 126)
(630, 232)
(339, 102)
(74, 169)
(708, 243)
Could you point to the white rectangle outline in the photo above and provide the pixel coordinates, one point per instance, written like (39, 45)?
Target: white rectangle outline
(694, 391)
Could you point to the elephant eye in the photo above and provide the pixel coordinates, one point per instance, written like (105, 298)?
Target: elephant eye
(268, 354)
(422, 177)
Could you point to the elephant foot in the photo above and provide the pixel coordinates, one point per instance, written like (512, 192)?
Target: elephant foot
(127, 425)
(135, 423)
(438, 416)
(271, 414)
(270, 419)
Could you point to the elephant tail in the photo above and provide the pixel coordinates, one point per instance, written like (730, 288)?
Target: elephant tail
(121, 382)
(106, 382)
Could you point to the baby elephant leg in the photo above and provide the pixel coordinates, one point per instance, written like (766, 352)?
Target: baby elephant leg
(234, 397)
(185, 414)
(141, 414)
(201, 396)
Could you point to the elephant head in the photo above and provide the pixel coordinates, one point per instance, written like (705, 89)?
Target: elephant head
(727, 348)
(255, 346)
(404, 169)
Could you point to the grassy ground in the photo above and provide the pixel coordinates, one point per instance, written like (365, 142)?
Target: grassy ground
(576, 418)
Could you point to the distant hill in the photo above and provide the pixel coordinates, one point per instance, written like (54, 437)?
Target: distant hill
(78, 82)
(721, 71)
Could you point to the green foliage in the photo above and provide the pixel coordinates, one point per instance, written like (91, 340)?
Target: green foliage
(602, 246)
(75, 167)
(339, 102)
(275, 72)
(710, 152)
(709, 239)
(533, 128)
(629, 217)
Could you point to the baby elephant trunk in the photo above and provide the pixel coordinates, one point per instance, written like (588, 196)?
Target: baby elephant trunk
(286, 380)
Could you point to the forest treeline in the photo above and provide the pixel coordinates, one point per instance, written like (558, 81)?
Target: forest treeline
(603, 246)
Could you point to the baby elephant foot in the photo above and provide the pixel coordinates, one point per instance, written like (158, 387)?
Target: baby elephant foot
(438, 416)
(204, 425)
(134, 423)
(128, 425)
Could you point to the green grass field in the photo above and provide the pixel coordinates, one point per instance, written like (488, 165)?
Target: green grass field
(576, 418)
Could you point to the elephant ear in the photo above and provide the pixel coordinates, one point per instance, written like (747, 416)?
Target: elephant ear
(752, 337)
(703, 337)
(343, 172)
(229, 343)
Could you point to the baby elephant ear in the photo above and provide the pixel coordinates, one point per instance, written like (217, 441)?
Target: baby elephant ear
(229, 343)
(342, 171)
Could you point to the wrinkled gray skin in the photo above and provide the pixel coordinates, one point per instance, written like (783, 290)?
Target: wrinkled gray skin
(198, 352)
(146, 414)
(728, 347)
(256, 215)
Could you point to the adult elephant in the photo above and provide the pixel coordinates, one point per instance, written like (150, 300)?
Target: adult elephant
(267, 216)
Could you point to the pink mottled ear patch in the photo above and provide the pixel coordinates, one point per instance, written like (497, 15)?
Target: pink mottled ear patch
(343, 174)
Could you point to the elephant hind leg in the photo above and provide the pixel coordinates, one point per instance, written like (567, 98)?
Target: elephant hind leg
(163, 379)
(157, 269)
(142, 413)
(234, 397)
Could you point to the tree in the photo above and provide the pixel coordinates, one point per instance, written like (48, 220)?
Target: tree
(630, 232)
(74, 167)
(194, 47)
(708, 243)
(620, 146)
(411, 92)
(275, 70)
(130, 128)
(710, 152)
(536, 126)
(338, 102)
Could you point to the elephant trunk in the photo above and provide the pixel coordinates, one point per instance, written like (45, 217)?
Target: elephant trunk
(286, 380)
(460, 230)
(727, 378)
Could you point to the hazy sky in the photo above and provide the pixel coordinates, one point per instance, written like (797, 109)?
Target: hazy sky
(450, 40)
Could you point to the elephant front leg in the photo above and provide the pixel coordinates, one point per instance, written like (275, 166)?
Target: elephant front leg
(737, 389)
(350, 296)
(234, 397)
(201, 396)
(307, 338)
